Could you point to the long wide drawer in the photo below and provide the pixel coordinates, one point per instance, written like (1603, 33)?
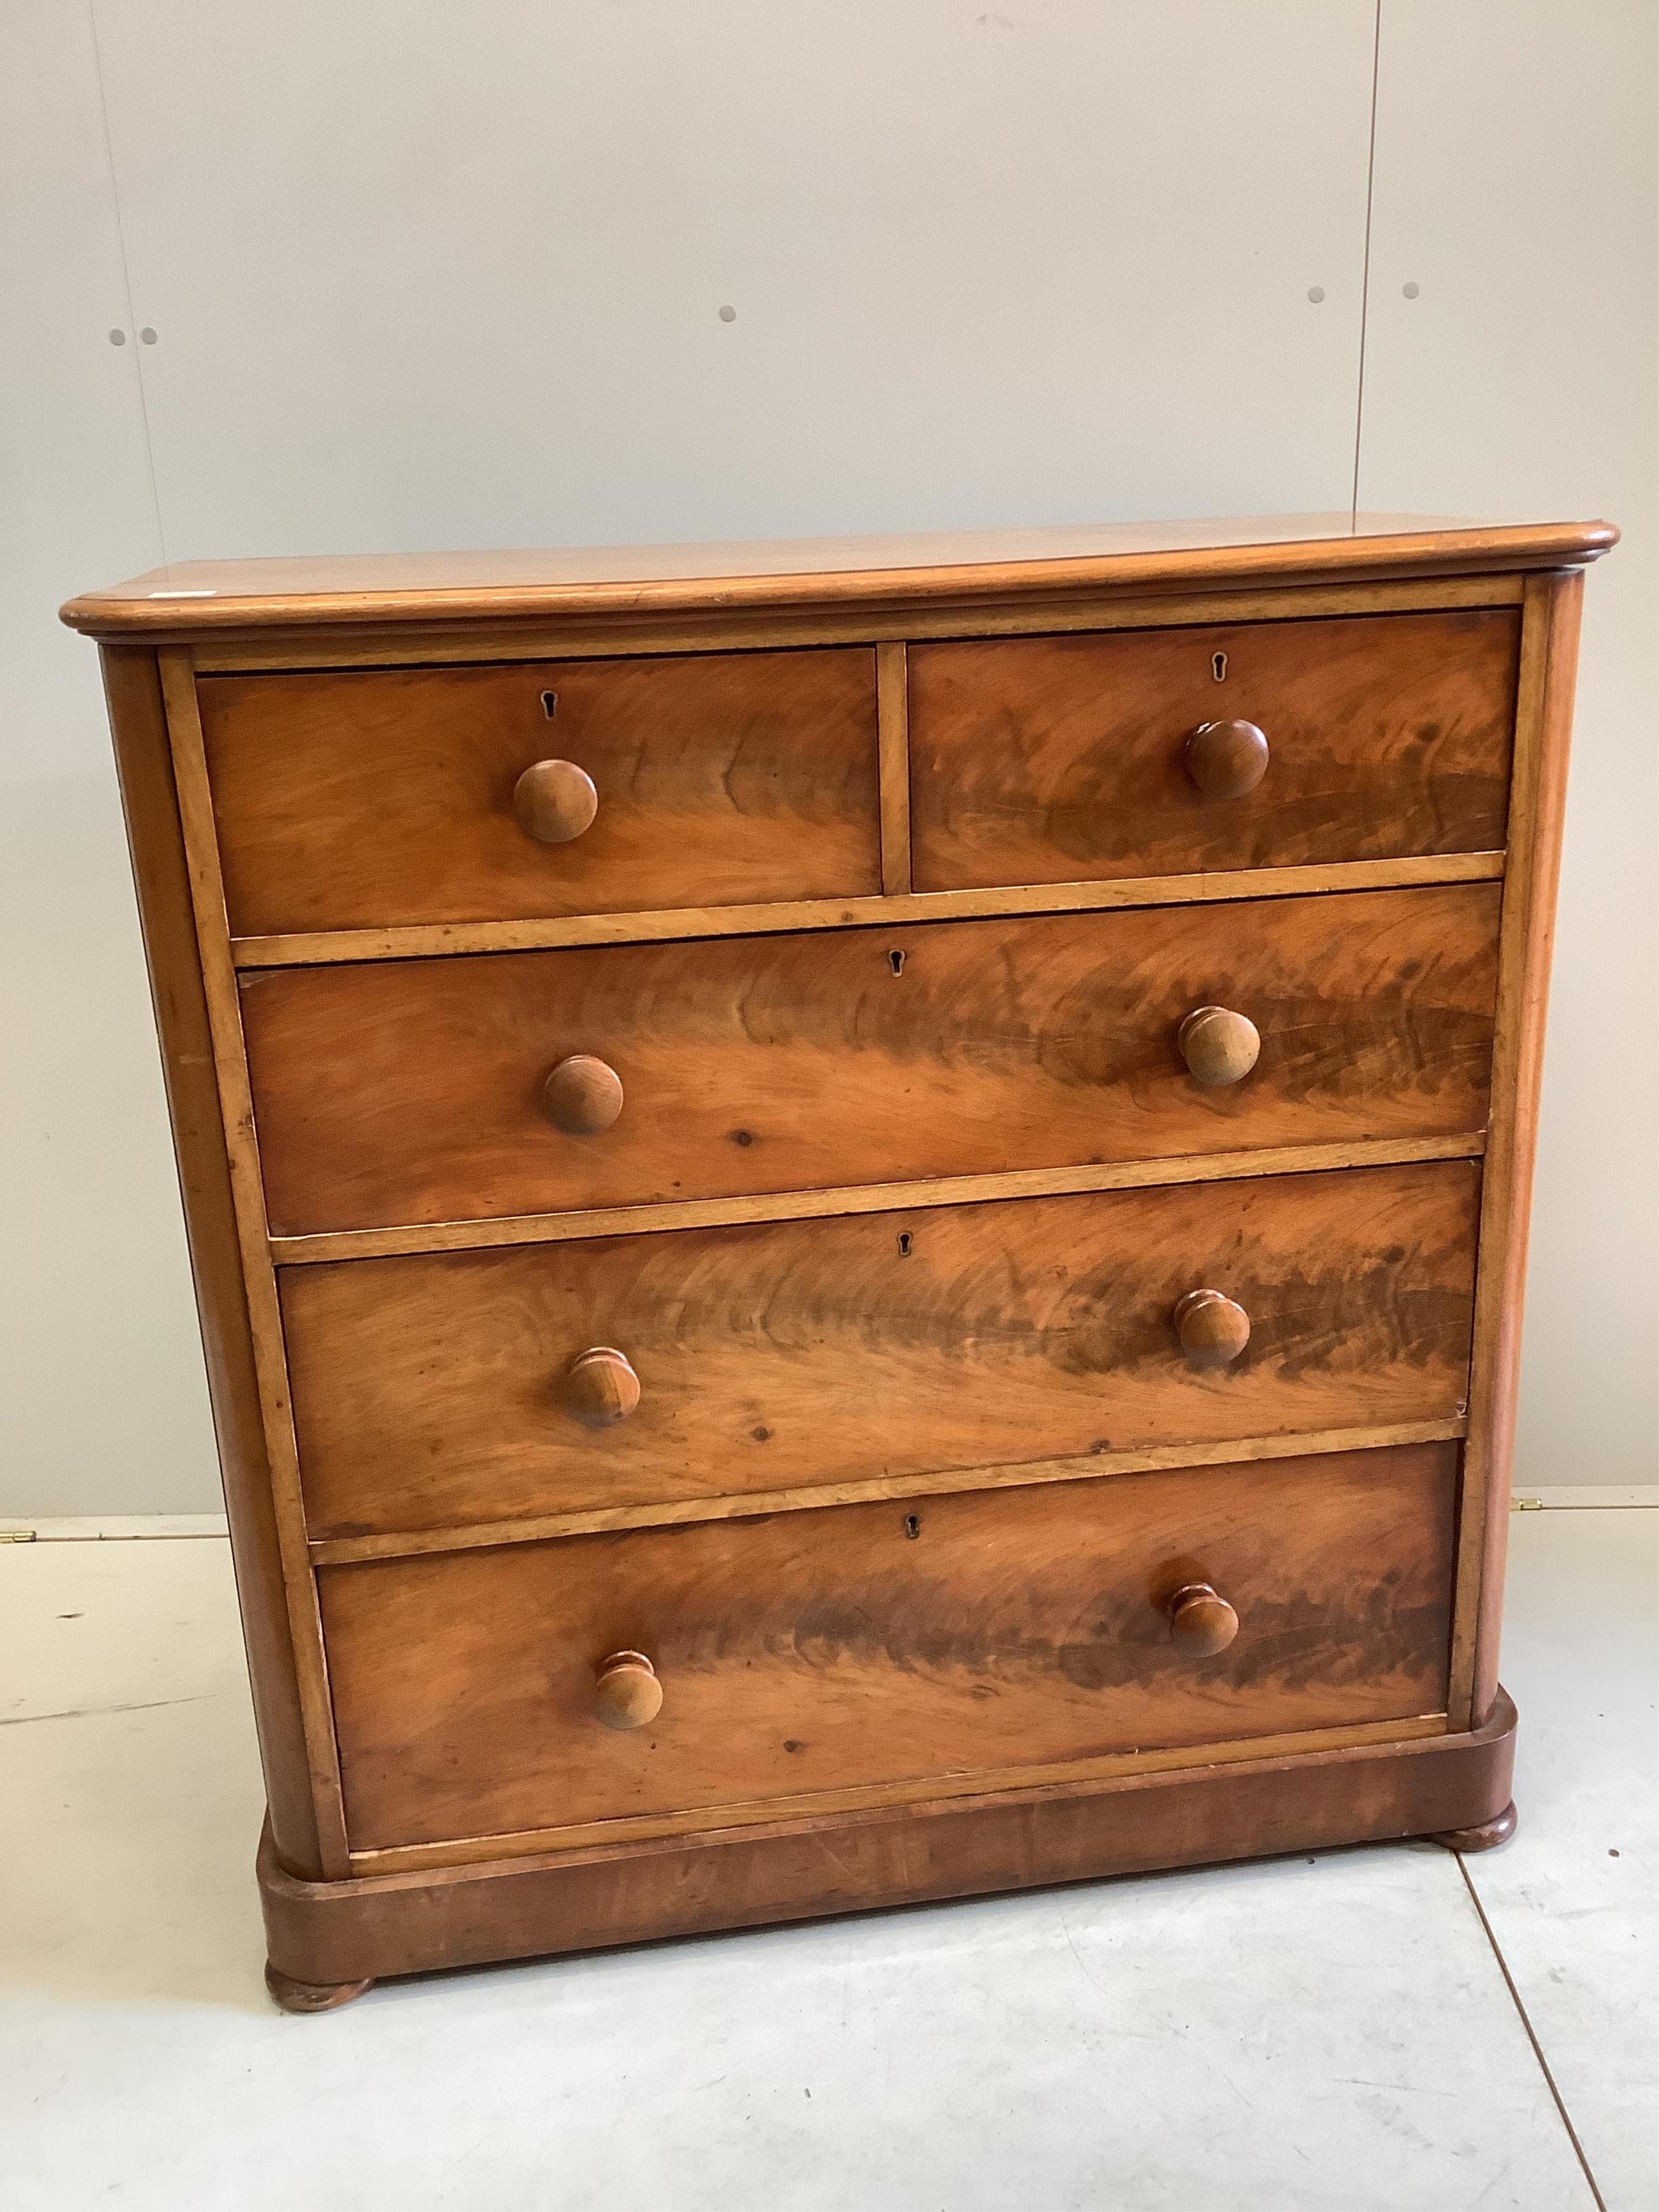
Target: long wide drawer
(887, 1643)
(461, 1388)
(1068, 759)
(415, 1092)
(368, 798)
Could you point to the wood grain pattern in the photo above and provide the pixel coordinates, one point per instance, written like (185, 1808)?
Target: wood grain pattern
(810, 1070)
(859, 1800)
(1550, 653)
(893, 711)
(660, 1513)
(329, 947)
(1010, 611)
(867, 1198)
(197, 597)
(604, 1891)
(813, 1651)
(430, 1393)
(369, 798)
(1048, 760)
(160, 872)
(806, 1062)
(218, 978)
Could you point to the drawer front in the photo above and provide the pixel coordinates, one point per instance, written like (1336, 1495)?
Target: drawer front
(447, 1390)
(370, 799)
(887, 1643)
(1065, 759)
(397, 1092)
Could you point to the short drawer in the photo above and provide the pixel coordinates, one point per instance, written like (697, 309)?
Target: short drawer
(897, 1643)
(1070, 759)
(461, 1388)
(415, 1092)
(373, 798)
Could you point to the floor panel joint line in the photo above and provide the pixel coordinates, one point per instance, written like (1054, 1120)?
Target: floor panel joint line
(1537, 2047)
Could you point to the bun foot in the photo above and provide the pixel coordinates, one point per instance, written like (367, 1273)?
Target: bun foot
(311, 1996)
(1486, 1837)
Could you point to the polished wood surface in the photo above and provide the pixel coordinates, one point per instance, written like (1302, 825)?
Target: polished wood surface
(1549, 667)
(867, 1198)
(155, 843)
(866, 611)
(1051, 759)
(1226, 759)
(1396, 987)
(356, 799)
(627, 1694)
(1214, 1329)
(431, 1393)
(1201, 1622)
(1304, 1797)
(1484, 1835)
(809, 1652)
(799, 1063)
(193, 597)
(1219, 1047)
(252, 1249)
(582, 1096)
(600, 1387)
(554, 801)
(327, 948)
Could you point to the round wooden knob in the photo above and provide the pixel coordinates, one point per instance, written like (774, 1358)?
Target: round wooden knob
(1213, 1331)
(582, 1096)
(600, 1387)
(627, 1694)
(1226, 759)
(554, 801)
(1201, 1622)
(1218, 1046)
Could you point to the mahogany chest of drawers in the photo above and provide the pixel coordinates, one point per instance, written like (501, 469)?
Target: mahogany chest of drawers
(859, 1209)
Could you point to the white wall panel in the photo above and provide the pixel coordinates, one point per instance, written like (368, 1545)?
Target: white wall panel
(101, 1397)
(1516, 187)
(449, 273)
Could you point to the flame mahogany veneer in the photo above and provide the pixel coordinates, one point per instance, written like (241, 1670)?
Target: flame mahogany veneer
(859, 1208)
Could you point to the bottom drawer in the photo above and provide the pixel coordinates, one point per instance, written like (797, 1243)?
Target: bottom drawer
(893, 1642)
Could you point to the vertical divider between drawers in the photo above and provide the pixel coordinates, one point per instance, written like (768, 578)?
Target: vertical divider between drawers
(893, 737)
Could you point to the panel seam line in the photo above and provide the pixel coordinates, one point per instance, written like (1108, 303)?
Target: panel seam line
(1365, 265)
(126, 279)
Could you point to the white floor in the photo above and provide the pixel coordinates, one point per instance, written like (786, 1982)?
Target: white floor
(1327, 2033)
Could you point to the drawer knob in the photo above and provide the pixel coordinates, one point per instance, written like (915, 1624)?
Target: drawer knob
(1226, 759)
(1212, 1329)
(1219, 1047)
(582, 1096)
(554, 801)
(1201, 1622)
(600, 1387)
(627, 1694)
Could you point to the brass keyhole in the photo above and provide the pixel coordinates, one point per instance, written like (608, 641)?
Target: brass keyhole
(1219, 667)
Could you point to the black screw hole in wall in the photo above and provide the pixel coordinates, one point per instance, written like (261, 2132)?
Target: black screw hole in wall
(904, 1244)
(913, 1524)
(896, 961)
(549, 704)
(1219, 667)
